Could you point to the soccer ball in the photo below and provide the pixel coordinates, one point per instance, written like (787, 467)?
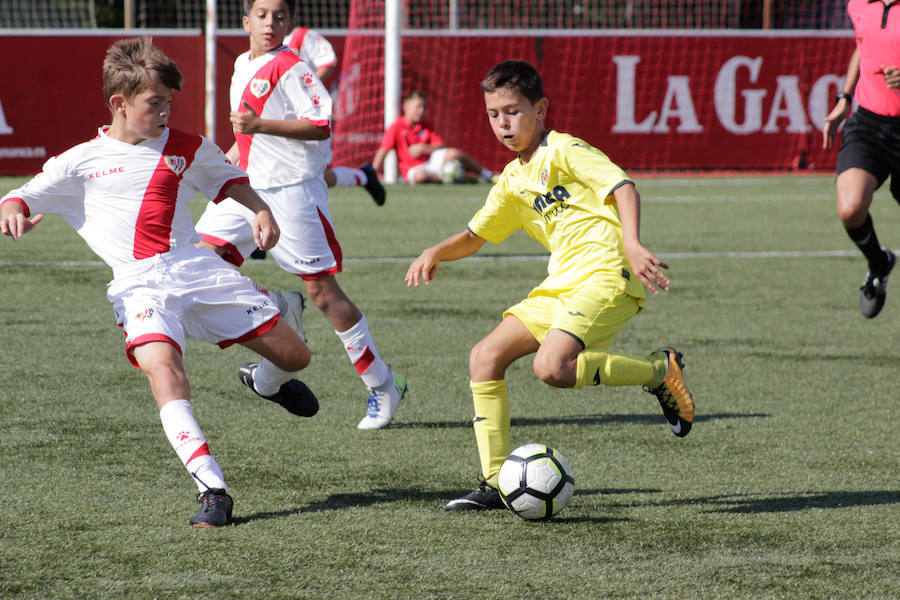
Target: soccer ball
(536, 481)
(452, 172)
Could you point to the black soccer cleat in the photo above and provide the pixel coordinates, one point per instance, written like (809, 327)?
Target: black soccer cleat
(373, 186)
(293, 395)
(484, 497)
(215, 509)
(874, 290)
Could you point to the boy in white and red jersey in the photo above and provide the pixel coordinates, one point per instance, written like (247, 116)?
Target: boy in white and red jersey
(870, 148)
(126, 192)
(281, 115)
(317, 52)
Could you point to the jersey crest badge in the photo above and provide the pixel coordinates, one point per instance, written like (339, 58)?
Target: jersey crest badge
(545, 176)
(176, 164)
(260, 87)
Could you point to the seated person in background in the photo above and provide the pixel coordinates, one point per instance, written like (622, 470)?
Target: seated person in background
(421, 153)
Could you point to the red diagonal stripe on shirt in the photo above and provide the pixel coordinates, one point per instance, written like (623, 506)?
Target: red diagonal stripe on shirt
(271, 72)
(154, 222)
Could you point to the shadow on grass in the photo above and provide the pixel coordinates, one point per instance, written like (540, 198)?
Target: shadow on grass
(386, 496)
(356, 499)
(801, 501)
(875, 360)
(654, 419)
(774, 503)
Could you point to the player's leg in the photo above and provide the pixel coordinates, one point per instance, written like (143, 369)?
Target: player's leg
(385, 387)
(419, 174)
(308, 247)
(488, 362)
(592, 316)
(161, 363)
(364, 176)
(855, 190)
(561, 362)
(469, 164)
(864, 163)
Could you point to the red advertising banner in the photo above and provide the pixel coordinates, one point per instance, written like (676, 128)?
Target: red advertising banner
(51, 92)
(660, 101)
(651, 100)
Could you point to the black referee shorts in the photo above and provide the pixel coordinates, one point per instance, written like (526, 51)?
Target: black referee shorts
(871, 142)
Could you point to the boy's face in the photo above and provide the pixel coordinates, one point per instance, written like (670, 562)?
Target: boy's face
(414, 110)
(517, 123)
(268, 22)
(145, 116)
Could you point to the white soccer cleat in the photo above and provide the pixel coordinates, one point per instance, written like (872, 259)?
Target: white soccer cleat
(383, 403)
(291, 305)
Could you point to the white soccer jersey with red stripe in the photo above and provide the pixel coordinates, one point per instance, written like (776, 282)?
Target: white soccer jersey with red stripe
(130, 201)
(312, 48)
(278, 85)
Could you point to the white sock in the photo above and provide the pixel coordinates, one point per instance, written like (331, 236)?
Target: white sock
(486, 173)
(268, 379)
(347, 177)
(190, 445)
(362, 352)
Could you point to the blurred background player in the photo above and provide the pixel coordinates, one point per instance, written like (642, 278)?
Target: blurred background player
(127, 193)
(281, 116)
(586, 211)
(421, 153)
(870, 148)
(316, 51)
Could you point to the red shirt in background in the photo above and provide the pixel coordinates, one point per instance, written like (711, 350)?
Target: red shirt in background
(401, 135)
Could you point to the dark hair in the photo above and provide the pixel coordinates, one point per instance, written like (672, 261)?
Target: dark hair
(415, 94)
(134, 65)
(516, 75)
(248, 4)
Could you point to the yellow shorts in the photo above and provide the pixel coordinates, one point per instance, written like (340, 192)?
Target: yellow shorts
(593, 313)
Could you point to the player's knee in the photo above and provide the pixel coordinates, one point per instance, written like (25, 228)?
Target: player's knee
(551, 371)
(167, 378)
(324, 294)
(296, 360)
(851, 211)
(484, 360)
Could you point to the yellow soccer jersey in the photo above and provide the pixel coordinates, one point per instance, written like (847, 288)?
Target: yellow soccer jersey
(563, 199)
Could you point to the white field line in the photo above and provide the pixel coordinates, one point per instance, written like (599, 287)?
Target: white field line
(650, 197)
(505, 258)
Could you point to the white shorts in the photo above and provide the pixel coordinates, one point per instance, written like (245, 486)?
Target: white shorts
(307, 247)
(189, 291)
(434, 166)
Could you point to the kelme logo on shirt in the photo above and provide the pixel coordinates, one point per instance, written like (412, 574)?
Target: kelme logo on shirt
(260, 87)
(176, 164)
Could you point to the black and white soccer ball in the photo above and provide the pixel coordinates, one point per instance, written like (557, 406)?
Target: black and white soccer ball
(536, 481)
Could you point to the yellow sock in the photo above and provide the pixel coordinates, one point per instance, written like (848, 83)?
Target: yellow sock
(491, 424)
(596, 367)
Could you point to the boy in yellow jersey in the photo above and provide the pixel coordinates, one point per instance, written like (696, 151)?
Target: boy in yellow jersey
(586, 211)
